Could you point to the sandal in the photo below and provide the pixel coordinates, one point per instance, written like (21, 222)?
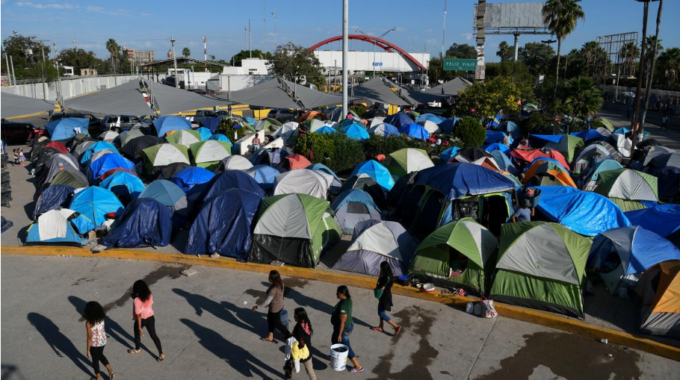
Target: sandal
(112, 376)
(378, 329)
(266, 340)
(133, 351)
(161, 357)
(397, 331)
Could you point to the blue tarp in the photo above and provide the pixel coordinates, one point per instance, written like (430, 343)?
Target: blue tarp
(496, 146)
(431, 117)
(415, 131)
(165, 124)
(512, 128)
(206, 133)
(64, 129)
(233, 179)
(589, 135)
(583, 212)
(662, 219)
(131, 184)
(211, 123)
(145, 222)
(458, 180)
(265, 175)
(326, 130)
(399, 120)
(193, 179)
(494, 137)
(547, 138)
(446, 126)
(220, 137)
(377, 171)
(224, 225)
(356, 132)
(449, 153)
(52, 198)
(108, 162)
(96, 147)
(94, 203)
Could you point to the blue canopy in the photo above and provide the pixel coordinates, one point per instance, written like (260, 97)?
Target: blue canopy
(324, 169)
(64, 129)
(165, 124)
(583, 212)
(589, 135)
(459, 179)
(108, 162)
(353, 195)
(446, 126)
(356, 132)
(512, 128)
(326, 130)
(415, 131)
(193, 179)
(145, 222)
(206, 134)
(96, 147)
(220, 137)
(493, 137)
(211, 123)
(224, 225)
(662, 219)
(431, 117)
(52, 198)
(132, 185)
(497, 146)
(449, 153)
(234, 179)
(94, 203)
(377, 171)
(264, 175)
(399, 120)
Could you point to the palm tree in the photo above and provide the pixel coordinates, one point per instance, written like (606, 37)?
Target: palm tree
(669, 62)
(584, 98)
(561, 16)
(186, 52)
(629, 52)
(655, 43)
(114, 49)
(505, 52)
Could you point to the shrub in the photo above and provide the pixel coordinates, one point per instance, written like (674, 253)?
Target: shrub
(359, 110)
(376, 145)
(470, 132)
(317, 147)
(337, 151)
(535, 121)
(226, 127)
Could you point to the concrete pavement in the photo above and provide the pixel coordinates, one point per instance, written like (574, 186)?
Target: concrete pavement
(207, 332)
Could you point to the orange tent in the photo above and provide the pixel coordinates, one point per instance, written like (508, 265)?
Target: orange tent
(659, 288)
(542, 168)
(312, 115)
(296, 161)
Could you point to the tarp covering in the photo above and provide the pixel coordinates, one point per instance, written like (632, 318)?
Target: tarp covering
(64, 129)
(273, 94)
(415, 131)
(662, 219)
(192, 179)
(458, 180)
(15, 105)
(52, 198)
(145, 222)
(376, 90)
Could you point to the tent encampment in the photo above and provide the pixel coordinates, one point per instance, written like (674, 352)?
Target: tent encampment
(407, 160)
(658, 288)
(145, 222)
(353, 206)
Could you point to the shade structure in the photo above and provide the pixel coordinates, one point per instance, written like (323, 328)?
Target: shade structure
(193, 180)
(628, 185)
(377, 171)
(293, 229)
(52, 198)
(64, 129)
(233, 179)
(165, 124)
(303, 181)
(621, 255)
(280, 93)
(375, 89)
(407, 160)
(170, 196)
(94, 203)
(124, 184)
(134, 147)
(15, 105)
(162, 155)
(96, 147)
(145, 222)
(53, 227)
(107, 163)
(185, 137)
(126, 99)
(356, 132)
(208, 154)
(461, 252)
(451, 87)
(374, 242)
(384, 129)
(353, 206)
(224, 225)
(235, 163)
(659, 288)
(399, 120)
(541, 266)
(546, 171)
(583, 212)
(264, 175)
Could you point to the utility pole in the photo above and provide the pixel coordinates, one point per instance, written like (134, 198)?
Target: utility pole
(11, 63)
(250, 40)
(650, 73)
(441, 56)
(44, 77)
(345, 53)
(174, 60)
(56, 60)
(245, 38)
(265, 27)
(75, 46)
(638, 91)
(205, 53)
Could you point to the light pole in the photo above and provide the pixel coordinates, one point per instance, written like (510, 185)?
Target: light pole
(174, 61)
(441, 56)
(345, 53)
(275, 31)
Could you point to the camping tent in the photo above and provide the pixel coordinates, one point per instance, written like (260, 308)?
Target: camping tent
(64, 129)
(264, 175)
(193, 180)
(133, 148)
(384, 129)
(288, 131)
(56, 164)
(170, 196)
(107, 163)
(234, 163)
(126, 136)
(54, 227)
(96, 147)
(94, 203)
(659, 288)
(590, 155)
(399, 120)
(627, 188)
(293, 229)
(430, 126)
(293, 162)
(208, 154)
(461, 252)
(185, 137)
(303, 181)
(145, 222)
(529, 155)
(447, 125)
(356, 132)
(374, 242)
(52, 198)
(547, 172)
(621, 255)
(158, 156)
(429, 117)
(567, 145)
(224, 225)
(512, 128)
(476, 156)
(233, 179)
(662, 219)
(377, 171)
(336, 184)
(205, 133)
(415, 131)
(589, 135)
(165, 124)
(58, 145)
(71, 178)
(590, 181)
(124, 184)
(541, 266)
(109, 136)
(353, 206)
(407, 160)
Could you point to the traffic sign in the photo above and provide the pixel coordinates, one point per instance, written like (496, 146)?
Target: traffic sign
(460, 64)
(377, 63)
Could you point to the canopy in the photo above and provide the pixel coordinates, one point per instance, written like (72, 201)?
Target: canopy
(145, 222)
(64, 129)
(303, 181)
(451, 87)
(375, 89)
(415, 131)
(280, 93)
(233, 179)
(94, 203)
(407, 160)
(124, 183)
(165, 124)
(458, 180)
(377, 171)
(193, 180)
(108, 162)
(126, 99)
(15, 105)
(264, 175)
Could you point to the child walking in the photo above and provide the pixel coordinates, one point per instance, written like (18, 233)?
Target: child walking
(96, 338)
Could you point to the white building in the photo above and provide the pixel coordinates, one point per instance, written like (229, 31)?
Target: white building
(250, 66)
(366, 61)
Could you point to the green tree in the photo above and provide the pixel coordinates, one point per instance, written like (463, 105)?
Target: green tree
(628, 54)
(244, 54)
(505, 51)
(297, 63)
(537, 56)
(114, 50)
(461, 51)
(594, 57)
(518, 73)
(25, 65)
(81, 59)
(489, 98)
(561, 16)
(669, 66)
(470, 132)
(583, 97)
(186, 52)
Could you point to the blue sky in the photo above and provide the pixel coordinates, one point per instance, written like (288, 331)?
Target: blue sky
(149, 24)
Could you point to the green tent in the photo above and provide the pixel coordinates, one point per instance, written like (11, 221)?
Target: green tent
(603, 122)
(268, 125)
(184, 137)
(461, 252)
(627, 188)
(208, 154)
(75, 179)
(294, 229)
(542, 266)
(568, 146)
(407, 160)
(163, 155)
(124, 138)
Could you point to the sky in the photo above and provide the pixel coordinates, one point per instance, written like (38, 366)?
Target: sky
(149, 24)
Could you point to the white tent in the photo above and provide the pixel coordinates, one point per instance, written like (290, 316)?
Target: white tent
(303, 181)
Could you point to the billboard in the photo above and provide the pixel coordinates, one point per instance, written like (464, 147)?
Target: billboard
(513, 15)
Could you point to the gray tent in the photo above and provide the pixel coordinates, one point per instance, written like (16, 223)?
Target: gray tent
(375, 241)
(15, 105)
(451, 87)
(280, 93)
(354, 206)
(376, 90)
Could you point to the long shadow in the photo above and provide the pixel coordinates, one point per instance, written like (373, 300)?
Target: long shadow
(59, 343)
(237, 357)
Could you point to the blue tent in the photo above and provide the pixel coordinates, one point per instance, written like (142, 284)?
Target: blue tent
(590, 179)
(624, 130)
(431, 117)
(347, 122)
(264, 175)
(589, 135)
(446, 126)
(449, 153)
(233, 179)
(108, 162)
(224, 225)
(326, 130)
(399, 120)
(387, 129)
(52, 198)
(324, 169)
(206, 133)
(356, 132)
(459, 180)
(377, 171)
(583, 212)
(512, 128)
(72, 237)
(165, 124)
(123, 183)
(250, 120)
(170, 196)
(64, 129)
(504, 162)
(497, 146)
(193, 179)
(493, 137)
(145, 222)
(96, 147)
(662, 219)
(415, 131)
(94, 203)
(220, 137)
(212, 123)
(538, 141)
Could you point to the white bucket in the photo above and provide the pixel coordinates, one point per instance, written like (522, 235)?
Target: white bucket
(339, 359)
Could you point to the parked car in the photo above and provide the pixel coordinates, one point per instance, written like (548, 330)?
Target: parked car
(200, 115)
(120, 123)
(282, 115)
(19, 133)
(94, 125)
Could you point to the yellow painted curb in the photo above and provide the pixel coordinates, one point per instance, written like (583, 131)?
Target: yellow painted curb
(527, 315)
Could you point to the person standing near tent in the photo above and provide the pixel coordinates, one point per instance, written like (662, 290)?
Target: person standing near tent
(341, 319)
(143, 316)
(523, 214)
(383, 292)
(96, 337)
(302, 332)
(274, 302)
(256, 143)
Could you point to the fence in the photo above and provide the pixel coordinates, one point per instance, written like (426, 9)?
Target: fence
(70, 87)
(626, 95)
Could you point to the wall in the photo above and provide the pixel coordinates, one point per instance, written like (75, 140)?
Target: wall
(70, 87)
(239, 82)
(363, 60)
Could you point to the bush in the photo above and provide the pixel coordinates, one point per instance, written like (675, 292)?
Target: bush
(470, 132)
(317, 147)
(337, 151)
(359, 110)
(377, 145)
(535, 121)
(226, 127)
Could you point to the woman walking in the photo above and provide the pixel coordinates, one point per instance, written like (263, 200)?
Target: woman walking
(143, 316)
(274, 302)
(384, 286)
(302, 332)
(341, 319)
(96, 338)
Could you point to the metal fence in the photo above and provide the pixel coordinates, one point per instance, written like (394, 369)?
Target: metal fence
(626, 95)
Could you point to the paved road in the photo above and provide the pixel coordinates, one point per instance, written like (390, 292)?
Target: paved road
(207, 332)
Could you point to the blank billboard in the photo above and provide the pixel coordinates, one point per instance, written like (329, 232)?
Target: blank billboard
(513, 15)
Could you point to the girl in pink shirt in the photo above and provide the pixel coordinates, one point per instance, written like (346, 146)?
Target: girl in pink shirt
(142, 314)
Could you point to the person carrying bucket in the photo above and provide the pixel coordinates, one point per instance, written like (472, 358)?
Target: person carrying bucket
(341, 319)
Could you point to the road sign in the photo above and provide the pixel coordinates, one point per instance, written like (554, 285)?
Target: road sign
(377, 63)
(460, 64)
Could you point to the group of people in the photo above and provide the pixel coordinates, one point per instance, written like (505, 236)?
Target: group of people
(19, 158)
(299, 340)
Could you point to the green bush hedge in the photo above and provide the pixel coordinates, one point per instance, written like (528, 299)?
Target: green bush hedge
(226, 127)
(470, 132)
(337, 151)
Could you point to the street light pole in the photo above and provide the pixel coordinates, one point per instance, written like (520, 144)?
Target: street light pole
(441, 56)
(345, 53)
(174, 61)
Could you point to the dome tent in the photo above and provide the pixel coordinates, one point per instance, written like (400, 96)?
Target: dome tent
(124, 184)
(589, 181)
(353, 206)
(234, 163)
(185, 137)
(662, 219)
(52, 198)
(547, 172)
(159, 156)
(54, 227)
(101, 166)
(233, 179)
(384, 129)
(170, 196)
(145, 222)
(407, 160)
(208, 154)
(336, 184)
(377, 171)
(659, 288)
(165, 124)
(628, 188)
(303, 181)
(94, 203)
(264, 175)
(193, 181)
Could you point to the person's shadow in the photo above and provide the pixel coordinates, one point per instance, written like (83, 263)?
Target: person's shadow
(237, 357)
(59, 343)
